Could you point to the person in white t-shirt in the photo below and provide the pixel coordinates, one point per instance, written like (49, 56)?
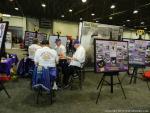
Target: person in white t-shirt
(33, 48)
(46, 56)
(46, 60)
(75, 61)
(61, 49)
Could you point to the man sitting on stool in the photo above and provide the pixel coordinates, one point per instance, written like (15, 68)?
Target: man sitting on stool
(75, 62)
(61, 51)
(46, 59)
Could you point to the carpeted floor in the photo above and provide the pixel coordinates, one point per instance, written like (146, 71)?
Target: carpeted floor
(76, 100)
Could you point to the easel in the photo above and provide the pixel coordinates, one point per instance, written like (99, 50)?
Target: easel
(2, 87)
(135, 73)
(2, 54)
(111, 83)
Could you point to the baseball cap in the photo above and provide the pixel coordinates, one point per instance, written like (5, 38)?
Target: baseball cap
(76, 42)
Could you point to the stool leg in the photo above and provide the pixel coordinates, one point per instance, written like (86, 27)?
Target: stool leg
(148, 85)
(99, 83)
(5, 90)
(80, 80)
(121, 87)
(100, 90)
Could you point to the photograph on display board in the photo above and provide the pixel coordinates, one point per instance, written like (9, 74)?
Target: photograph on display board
(110, 56)
(3, 27)
(29, 37)
(139, 52)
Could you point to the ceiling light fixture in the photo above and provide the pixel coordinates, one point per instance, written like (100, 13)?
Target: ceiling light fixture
(145, 28)
(135, 11)
(16, 8)
(11, 0)
(43, 5)
(62, 16)
(110, 18)
(6, 15)
(84, 1)
(124, 25)
(97, 21)
(70, 10)
(128, 20)
(142, 23)
(93, 14)
(81, 19)
(113, 6)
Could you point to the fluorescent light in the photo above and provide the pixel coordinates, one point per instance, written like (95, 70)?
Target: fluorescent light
(16, 8)
(84, 1)
(110, 18)
(145, 28)
(93, 14)
(43, 5)
(128, 20)
(135, 11)
(6, 15)
(70, 10)
(97, 21)
(113, 6)
(124, 25)
(62, 16)
(81, 19)
(142, 23)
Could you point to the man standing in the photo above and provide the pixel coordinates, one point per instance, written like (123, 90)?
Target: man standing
(46, 60)
(75, 61)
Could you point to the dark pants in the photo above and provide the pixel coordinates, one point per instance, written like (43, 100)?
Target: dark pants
(70, 70)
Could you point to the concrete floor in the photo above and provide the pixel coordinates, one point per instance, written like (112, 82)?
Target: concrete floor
(76, 100)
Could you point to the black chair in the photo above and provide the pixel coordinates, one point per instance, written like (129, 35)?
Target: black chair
(78, 74)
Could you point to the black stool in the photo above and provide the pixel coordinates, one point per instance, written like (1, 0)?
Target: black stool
(80, 74)
(101, 83)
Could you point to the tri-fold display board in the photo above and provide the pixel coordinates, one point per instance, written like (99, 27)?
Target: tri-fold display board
(110, 56)
(3, 31)
(29, 36)
(139, 52)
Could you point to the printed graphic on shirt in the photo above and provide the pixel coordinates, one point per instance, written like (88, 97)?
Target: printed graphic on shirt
(46, 56)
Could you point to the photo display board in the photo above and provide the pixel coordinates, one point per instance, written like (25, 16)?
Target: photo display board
(3, 30)
(29, 36)
(110, 56)
(52, 40)
(139, 52)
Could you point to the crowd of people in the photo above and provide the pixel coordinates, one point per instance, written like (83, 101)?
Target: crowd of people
(47, 62)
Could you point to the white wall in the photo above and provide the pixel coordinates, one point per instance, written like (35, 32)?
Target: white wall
(66, 28)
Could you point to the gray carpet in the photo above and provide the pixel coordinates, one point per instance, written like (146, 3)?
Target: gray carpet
(76, 100)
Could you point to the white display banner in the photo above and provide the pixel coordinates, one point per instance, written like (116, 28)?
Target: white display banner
(90, 31)
(52, 40)
(8, 43)
(2, 32)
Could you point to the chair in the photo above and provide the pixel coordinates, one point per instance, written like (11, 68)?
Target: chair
(147, 78)
(43, 81)
(78, 74)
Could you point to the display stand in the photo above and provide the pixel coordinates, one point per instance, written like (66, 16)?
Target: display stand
(111, 83)
(135, 73)
(2, 87)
